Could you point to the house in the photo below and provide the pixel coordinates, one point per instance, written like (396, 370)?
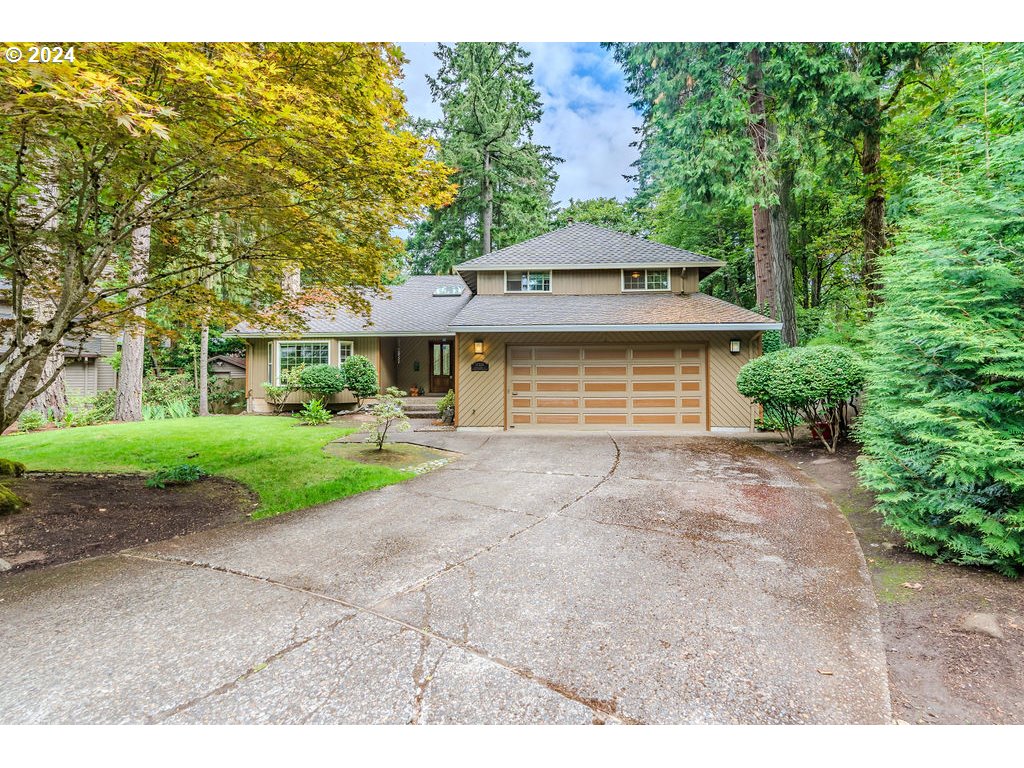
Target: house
(87, 370)
(227, 367)
(580, 328)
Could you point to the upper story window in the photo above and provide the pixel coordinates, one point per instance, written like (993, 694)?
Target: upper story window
(528, 282)
(292, 354)
(645, 280)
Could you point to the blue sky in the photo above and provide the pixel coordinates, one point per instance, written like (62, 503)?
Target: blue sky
(587, 118)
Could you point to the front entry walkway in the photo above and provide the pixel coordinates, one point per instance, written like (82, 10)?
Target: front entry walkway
(540, 578)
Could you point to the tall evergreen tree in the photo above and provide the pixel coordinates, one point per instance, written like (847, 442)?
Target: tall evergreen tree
(943, 428)
(490, 108)
(712, 129)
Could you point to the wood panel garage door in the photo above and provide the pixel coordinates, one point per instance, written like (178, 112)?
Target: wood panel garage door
(607, 387)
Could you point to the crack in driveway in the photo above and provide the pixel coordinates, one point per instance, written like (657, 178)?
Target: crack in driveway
(526, 674)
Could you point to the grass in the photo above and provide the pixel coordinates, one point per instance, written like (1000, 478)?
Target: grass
(283, 462)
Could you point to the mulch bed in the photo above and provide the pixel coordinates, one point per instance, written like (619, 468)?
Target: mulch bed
(71, 516)
(939, 670)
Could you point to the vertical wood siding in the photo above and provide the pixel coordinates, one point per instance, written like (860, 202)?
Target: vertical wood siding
(587, 282)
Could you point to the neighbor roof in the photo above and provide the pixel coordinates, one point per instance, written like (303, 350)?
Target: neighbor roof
(412, 309)
(585, 245)
(649, 312)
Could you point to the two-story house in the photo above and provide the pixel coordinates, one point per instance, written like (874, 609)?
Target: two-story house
(581, 328)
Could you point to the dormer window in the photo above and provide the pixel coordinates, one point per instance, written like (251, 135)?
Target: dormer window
(645, 280)
(528, 282)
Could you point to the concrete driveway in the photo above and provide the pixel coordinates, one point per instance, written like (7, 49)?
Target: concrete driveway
(540, 578)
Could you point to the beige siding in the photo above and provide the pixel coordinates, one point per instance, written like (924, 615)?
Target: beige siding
(388, 370)
(481, 394)
(587, 282)
(413, 354)
(258, 371)
(490, 283)
(80, 377)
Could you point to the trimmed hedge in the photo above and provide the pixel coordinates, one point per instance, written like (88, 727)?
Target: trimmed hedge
(811, 384)
(321, 380)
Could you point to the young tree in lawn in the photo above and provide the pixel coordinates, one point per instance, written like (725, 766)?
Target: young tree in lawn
(159, 135)
(490, 107)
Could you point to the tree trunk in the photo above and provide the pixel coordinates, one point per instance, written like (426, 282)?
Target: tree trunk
(54, 401)
(487, 217)
(204, 336)
(782, 261)
(204, 376)
(759, 132)
(128, 399)
(291, 282)
(873, 220)
(763, 286)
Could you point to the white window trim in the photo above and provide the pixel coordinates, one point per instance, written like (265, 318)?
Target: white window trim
(277, 355)
(504, 282)
(351, 349)
(645, 270)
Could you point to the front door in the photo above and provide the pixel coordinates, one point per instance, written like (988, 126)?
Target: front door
(440, 366)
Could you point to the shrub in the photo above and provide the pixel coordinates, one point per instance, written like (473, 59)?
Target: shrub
(813, 384)
(182, 474)
(10, 502)
(30, 421)
(321, 381)
(313, 413)
(174, 388)
(943, 420)
(360, 377)
(771, 341)
(388, 413)
(9, 468)
(175, 409)
(446, 402)
(277, 394)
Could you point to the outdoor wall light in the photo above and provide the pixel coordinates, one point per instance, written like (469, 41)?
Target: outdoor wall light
(635, 275)
(734, 346)
(478, 346)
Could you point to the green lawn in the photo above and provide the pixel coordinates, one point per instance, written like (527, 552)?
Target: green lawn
(283, 462)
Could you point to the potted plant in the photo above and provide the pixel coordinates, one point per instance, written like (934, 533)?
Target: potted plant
(414, 390)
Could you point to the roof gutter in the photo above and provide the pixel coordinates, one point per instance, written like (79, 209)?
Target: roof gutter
(589, 328)
(339, 334)
(469, 267)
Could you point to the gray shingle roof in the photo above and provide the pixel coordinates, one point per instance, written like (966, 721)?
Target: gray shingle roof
(656, 310)
(580, 245)
(411, 308)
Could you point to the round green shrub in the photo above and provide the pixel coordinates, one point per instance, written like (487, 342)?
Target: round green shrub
(10, 502)
(360, 376)
(321, 380)
(810, 384)
(10, 468)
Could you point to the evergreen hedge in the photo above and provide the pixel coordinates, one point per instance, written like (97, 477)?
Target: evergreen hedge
(943, 422)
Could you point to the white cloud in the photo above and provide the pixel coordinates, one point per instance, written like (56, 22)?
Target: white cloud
(587, 118)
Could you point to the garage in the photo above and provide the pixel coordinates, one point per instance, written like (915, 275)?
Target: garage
(656, 386)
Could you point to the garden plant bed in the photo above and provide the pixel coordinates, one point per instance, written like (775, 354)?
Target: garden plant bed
(71, 516)
(404, 457)
(939, 670)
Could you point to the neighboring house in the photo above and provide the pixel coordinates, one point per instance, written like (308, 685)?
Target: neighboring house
(227, 366)
(87, 371)
(581, 328)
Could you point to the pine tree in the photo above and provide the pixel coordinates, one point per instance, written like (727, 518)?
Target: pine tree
(490, 108)
(943, 428)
